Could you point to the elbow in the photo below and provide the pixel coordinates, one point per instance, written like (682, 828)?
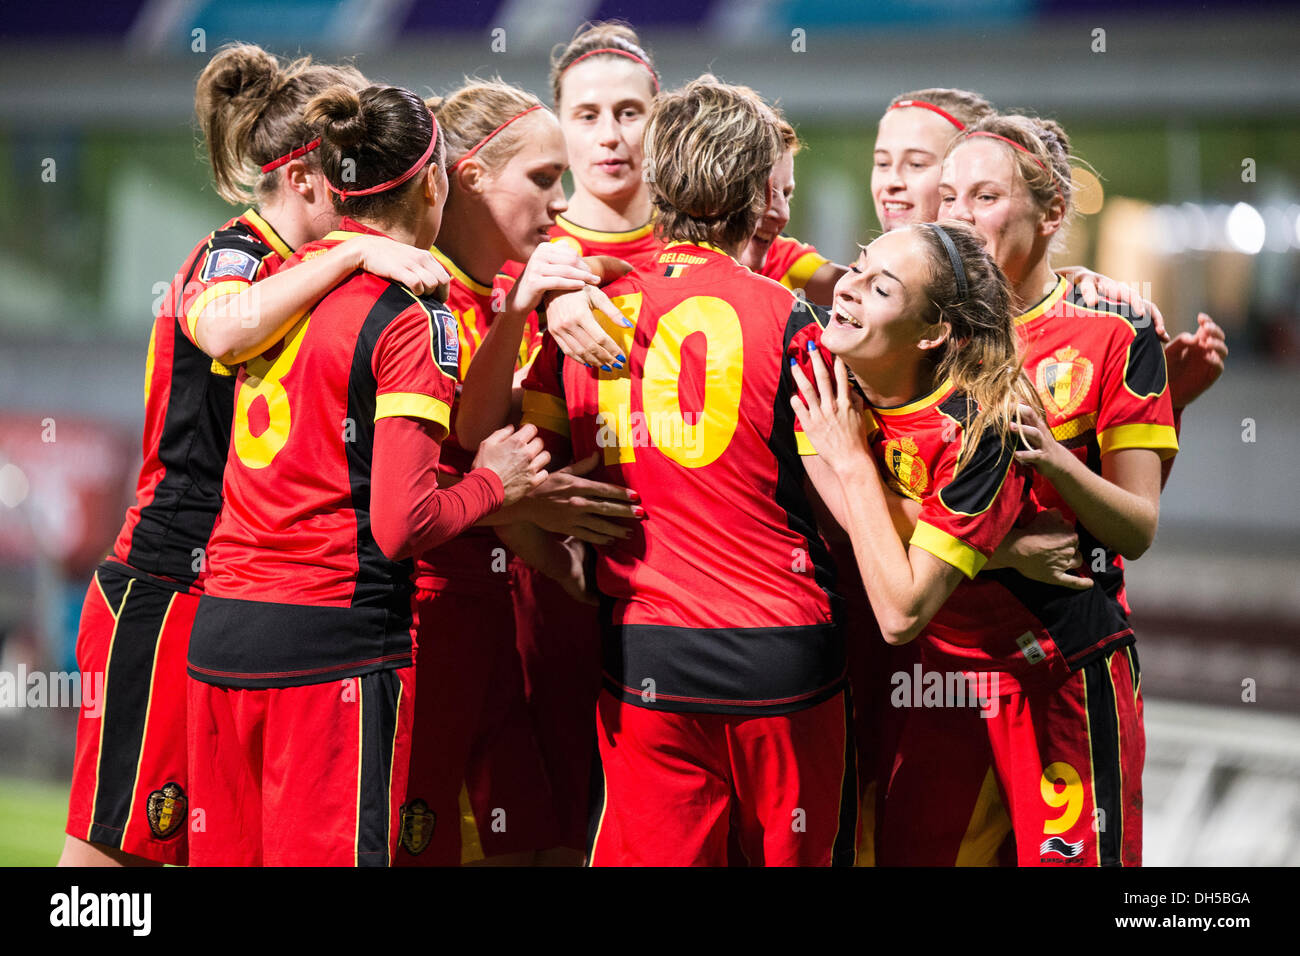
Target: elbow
(899, 628)
(1140, 539)
(1138, 546)
(390, 536)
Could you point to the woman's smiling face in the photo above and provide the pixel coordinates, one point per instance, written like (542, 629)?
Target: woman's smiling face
(880, 307)
(910, 143)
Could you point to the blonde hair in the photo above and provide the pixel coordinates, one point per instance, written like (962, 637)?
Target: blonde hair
(474, 111)
(965, 105)
(709, 150)
(1043, 162)
(250, 110)
(599, 35)
(982, 354)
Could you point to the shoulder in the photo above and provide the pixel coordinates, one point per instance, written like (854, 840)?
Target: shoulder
(234, 251)
(1107, 320)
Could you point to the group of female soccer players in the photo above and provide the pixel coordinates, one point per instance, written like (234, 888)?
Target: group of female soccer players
(415, 352)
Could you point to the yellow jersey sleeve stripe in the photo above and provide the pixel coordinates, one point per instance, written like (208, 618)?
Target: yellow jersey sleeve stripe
(1158, 438)
(797, 276)
(804, 444)
(1074, 427)
(946, 548)
(546, 411)
(413, 405)
(233, 287)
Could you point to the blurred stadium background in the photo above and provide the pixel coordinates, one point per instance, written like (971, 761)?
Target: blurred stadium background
(1188, 111)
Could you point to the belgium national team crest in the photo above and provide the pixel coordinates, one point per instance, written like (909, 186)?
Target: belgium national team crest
(166, 809)
(908, 474)
(417, 826)
(1063, 382)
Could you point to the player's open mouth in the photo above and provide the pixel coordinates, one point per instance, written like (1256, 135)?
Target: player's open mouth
(765, 236)
(843, 319)
(896, 206)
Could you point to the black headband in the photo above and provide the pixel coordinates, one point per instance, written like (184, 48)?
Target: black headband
(958, 270)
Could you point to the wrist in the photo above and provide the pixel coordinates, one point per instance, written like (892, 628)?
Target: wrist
(496, 486)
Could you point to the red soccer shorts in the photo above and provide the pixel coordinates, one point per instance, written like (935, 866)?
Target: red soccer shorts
(871, 663)
(1060, 769)
(477, 787)
(677, 785)
(129, 782)
(299, 776)
(559, 643)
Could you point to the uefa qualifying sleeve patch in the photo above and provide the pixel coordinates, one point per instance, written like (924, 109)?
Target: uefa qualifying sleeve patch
(231, 262)
(446, 345)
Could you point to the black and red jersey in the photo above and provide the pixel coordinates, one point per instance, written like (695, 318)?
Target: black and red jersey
(188, 401)
(639, 247)
(475, 559)
(299, 591)
(1032, 634)
(720, 600)
(1102, 381)
(791, 262)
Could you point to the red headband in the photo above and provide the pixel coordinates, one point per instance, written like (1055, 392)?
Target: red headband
(291, 155)
(617, 52)
(483, 142)
(392, 183)
(922, 104)
(1010, 142)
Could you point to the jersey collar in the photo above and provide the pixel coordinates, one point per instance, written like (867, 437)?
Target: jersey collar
(594, 235)
(1046, 304)
(925, 401)
(709, 247)
(459, 274)
(268, 234)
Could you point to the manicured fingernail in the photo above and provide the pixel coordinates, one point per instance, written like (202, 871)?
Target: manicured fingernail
(622, 358)
(618, 365)
(606, 368)
(794, 363)
(633, 496)
(638, 511)
(812, 346)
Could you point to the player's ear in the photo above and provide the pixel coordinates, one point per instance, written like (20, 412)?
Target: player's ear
(301, 178)
(470, 177)
(934, 336)
(1053, 217)
(435, 186)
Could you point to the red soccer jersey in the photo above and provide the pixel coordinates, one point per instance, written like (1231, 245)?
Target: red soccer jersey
(1103, 384)
(640, 247)
(476, 558)
(300, 592)
(188, 399)
(791, 262)
(721, 597)
(1032, 634)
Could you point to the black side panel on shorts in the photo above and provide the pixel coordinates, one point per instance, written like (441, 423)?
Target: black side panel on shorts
(845, 850)
(380, 695)
(1103, 734)
(126, 705)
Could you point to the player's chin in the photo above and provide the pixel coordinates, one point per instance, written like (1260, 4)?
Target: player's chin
(840, 339)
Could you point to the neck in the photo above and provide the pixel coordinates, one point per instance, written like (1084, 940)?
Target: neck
(618, 214)
(888, 382)
(1037, 281)
(471, 239)
(294, 222)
